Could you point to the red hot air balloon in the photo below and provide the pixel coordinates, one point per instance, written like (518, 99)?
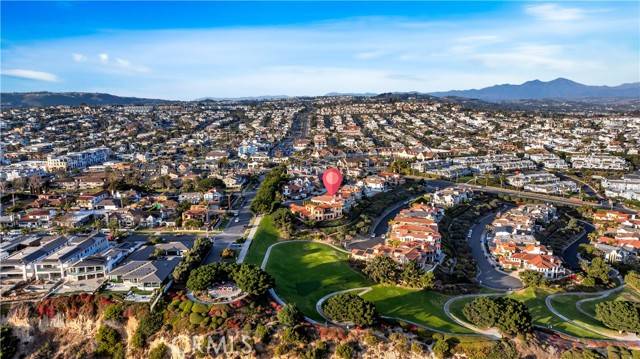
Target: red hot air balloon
(332, 178)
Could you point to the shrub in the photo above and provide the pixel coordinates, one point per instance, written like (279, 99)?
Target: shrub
(206, 321)
(113, 312)
(149, 324)
(291, 335)
(186, 307)
(289, 315)
(344, 351)
(503, 349)
(441, 348)
(109, 343)
(199, 308)
(262, 333)
(8, 342)
(160, 351)
(195, 318)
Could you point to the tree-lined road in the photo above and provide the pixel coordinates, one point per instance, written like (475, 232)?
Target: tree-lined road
(234, 230)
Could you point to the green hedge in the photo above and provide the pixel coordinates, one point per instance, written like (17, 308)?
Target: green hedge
(195, 318)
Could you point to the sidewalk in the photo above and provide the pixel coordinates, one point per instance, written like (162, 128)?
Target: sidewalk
(245, 246)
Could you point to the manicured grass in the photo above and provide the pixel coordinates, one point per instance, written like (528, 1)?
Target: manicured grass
(306, 271)
(534, 300)
(566, 305)
(627, 293)
(457, 307)
(266, 235)
(422, 307)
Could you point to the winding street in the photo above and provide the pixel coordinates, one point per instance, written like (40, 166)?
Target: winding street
(488, 276)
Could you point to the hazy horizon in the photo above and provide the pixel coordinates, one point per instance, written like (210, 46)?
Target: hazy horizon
(185, 51)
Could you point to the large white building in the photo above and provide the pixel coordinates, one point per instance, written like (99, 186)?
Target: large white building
(49, 258)
(628, 187)
(599, 162)
(80, 159)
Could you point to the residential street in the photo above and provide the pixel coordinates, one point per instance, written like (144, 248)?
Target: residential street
(488, 275)
(233, 230)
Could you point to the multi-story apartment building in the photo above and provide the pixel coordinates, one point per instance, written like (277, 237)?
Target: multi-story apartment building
(80, 159)
(50, 257)
(599, 162)
(627, 187)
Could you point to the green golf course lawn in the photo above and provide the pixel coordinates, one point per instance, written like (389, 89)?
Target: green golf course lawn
(266, 235)
(307, 271)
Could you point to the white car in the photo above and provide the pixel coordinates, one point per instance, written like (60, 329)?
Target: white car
(236, 220)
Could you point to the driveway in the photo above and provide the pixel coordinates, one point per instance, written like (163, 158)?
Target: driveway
(488, 275)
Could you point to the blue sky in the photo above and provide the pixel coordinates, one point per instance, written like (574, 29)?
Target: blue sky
(188, 50)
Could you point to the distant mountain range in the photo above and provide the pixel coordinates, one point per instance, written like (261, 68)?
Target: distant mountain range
(43, 99)
(246, 98)
(558, 89)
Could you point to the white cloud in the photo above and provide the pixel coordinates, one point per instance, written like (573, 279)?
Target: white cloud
(369, 55)
(555, 12)
(127, 65)
(31, 75)
(104, 57)
(531, 56)
(310, 59)
(123, 62)
(79, 57)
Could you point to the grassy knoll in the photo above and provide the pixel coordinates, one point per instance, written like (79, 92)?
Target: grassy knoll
(627, 293)
(423, 307)
(266, 235)
(306, 272)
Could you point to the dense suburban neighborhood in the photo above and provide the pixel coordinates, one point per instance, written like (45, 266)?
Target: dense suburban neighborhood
(198, 210)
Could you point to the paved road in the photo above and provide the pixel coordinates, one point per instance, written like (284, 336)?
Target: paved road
(532, 195)
(488, 275)
(234, 230)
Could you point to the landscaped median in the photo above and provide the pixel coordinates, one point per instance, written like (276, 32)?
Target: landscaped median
(305, 272)
(266, 235)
